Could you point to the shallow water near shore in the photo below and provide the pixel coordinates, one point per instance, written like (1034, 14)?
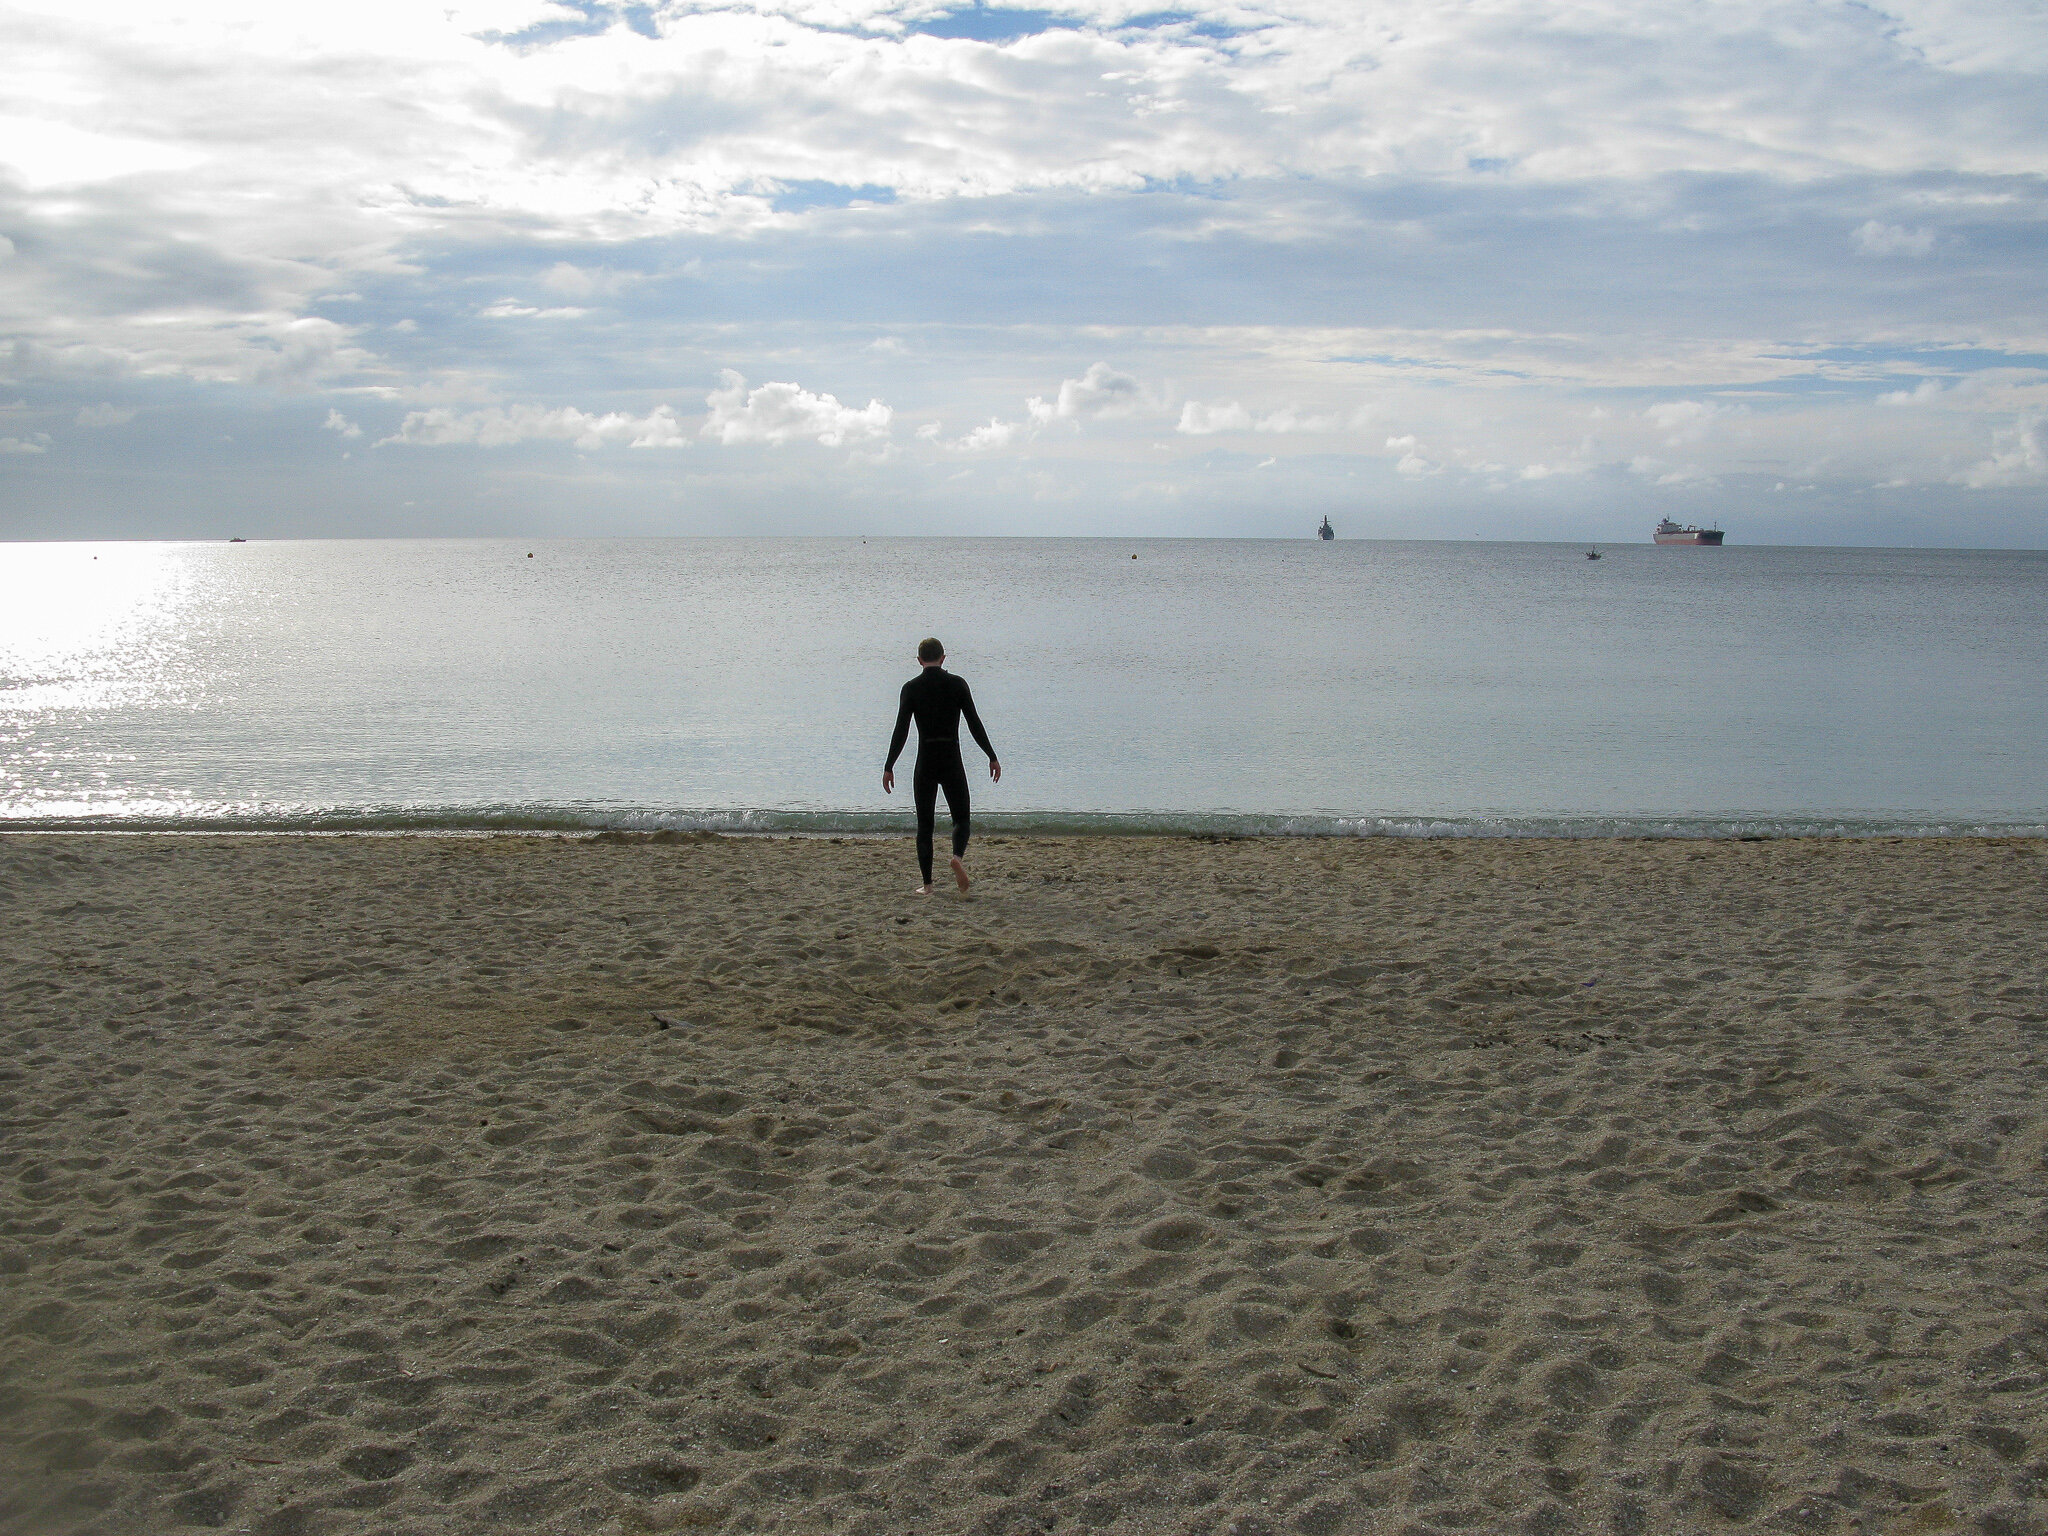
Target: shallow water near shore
(1260, 687)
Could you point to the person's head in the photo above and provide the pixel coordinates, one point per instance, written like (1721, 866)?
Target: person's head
(930, 652)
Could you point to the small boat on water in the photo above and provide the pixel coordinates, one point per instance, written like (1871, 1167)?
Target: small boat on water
(1593, 553)
(238, 541)
(1326, 531)
(1669, 532)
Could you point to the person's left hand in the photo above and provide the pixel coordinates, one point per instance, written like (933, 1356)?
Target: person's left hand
(888, 781)
(995, 770)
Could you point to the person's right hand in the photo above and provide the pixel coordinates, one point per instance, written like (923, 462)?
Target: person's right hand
(888, 781)
(995, 770)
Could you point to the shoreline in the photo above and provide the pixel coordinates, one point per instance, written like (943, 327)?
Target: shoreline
(1218, 1188)
(1195, 826)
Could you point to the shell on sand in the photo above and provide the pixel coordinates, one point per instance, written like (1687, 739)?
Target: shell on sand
(1167, 1185)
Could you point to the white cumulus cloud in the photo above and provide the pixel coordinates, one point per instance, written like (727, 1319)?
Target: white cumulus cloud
(1919, 394)
(504, 426)
(1199, 420)
(2018, 457)
(336, 422)
(788, 413)
(104, 415)
(1294, 418)
(997, 434)
(1101, 391)
(1412, 461)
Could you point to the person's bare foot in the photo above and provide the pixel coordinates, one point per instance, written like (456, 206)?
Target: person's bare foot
(960, 875)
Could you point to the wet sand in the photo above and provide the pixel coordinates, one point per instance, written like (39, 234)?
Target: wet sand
(353, 1185)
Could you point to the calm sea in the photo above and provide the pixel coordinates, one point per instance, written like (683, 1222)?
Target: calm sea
(1409, 688)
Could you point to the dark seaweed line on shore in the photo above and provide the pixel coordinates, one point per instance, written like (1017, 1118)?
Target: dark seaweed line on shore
(445, 819)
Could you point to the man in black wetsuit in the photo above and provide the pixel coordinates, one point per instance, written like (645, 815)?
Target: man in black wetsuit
(937, 699)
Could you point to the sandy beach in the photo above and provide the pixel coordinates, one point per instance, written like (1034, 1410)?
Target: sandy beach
(622, 1185)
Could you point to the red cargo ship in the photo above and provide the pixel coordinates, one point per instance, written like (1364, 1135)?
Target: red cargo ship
(1669, 532)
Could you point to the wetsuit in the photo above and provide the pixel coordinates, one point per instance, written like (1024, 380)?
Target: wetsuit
(937, 699)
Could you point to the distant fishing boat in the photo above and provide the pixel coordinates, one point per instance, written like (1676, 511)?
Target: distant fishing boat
(1326, 531)
(1593, 553)
(1669, 532)
(238, 541)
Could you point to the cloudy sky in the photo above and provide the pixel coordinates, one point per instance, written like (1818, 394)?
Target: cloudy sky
(1437, 268)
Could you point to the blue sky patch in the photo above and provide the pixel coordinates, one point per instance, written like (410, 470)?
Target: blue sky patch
(992, 24)
(798, 196)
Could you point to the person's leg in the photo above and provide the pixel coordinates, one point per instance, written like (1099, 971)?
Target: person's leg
(924, 785)
(955, 783)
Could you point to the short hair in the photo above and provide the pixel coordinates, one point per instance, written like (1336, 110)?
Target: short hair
(930, 650)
